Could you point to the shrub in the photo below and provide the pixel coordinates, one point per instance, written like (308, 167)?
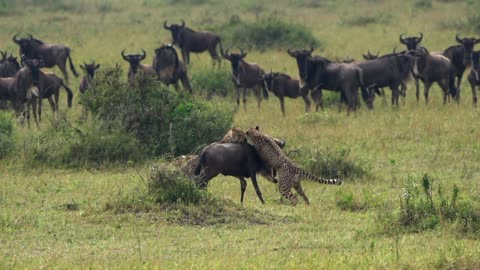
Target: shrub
(213, 82)
(265, 34)
(423, 4)
(365, 20)
(330, 163)
(162, 119)
(7, 134)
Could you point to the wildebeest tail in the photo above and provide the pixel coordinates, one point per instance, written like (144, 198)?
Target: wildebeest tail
(69, 93)
(200, 164)
(72, 67)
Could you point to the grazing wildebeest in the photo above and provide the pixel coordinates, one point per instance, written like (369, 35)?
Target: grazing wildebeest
(391, 70)
(283, 86)
(51, 54)
(8, 65)
(49, 88)
(189, 40)
(136, 66)
(317, 73)
(245, 75)
(411, 42)
(18, 89)
(169, 68)
(461, 57)
(432, 68)
(88, 78)
(474, 77)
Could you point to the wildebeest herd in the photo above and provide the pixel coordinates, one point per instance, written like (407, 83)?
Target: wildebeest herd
(316, 73)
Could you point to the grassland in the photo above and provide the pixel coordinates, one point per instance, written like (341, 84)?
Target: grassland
(60, 218)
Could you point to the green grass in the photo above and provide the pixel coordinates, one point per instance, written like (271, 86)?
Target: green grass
(81, 218)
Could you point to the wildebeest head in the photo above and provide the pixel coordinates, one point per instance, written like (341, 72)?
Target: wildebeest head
(411, 42)
(370, 56)
(176, 30)
(268, 79)
(468, 44)
(90, 68)
(34, 65)
(165, 56)
(302, 60)
(134, 59)
(234, 58)
(27, 45)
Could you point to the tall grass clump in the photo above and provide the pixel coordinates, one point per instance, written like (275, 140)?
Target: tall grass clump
(163, 120)
(7, 134)
(265, 34)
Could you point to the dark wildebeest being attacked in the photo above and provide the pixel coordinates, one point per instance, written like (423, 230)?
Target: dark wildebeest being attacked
(461, 57)
(283, 86)
(474, 77)
(51, 54)
(317, 73)
(391, 70)
(8, 65)
(19, 89)
(135, 65)
(87, 79)
(431, 68)
(189, 41)
(49, 88)
(245, 75)
(169, 68)
(239, 160)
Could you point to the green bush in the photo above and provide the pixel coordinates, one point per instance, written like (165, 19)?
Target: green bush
(7, 134)
(213, 82)
(265, 34)
(423, 4)
(163, 120)
(330, 163)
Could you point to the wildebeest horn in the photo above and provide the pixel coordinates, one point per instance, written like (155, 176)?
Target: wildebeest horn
(242, 53)
(225, 53)
(15, 39)
(457, 37)
(290, 52)
(166, 26)
(395, 50)
(419, 39)
(30, 36)
(144, 54)
(183, 23)
(4, 55)
(402, 40)
(124, 56)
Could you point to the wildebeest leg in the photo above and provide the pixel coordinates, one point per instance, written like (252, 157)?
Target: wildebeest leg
(298, 188)
(62, 65)
(427, 85)
(282, 105)
(445, 90)
(33, 104)
(258, 95)
(56, 96)
(318, 98)
(459, 82)
(52, 106)
(304, 94)
(185, 83)
(474, 91)
(395, 94)
(243, 187)
(185, 56)
(244, 98)
(255, 185)
(237, 90)
(417, 88)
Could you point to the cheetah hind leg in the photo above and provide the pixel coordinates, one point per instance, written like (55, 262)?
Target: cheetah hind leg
(298, 188)
(286, 191)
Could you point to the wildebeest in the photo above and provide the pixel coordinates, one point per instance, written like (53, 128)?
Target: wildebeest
(390, 70)
(88, 77)
(169, 68)
(474, 77)
(51, 54)
(49, 88)
(432, 68)
(189, 40)
(461, 57)
(411, 42)
(245, 75)
(317, 73)
(18, 89)
(282, 85)
(135, 65)
(8, 65)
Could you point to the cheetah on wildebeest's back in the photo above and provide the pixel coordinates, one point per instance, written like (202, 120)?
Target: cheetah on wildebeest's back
(289, 173)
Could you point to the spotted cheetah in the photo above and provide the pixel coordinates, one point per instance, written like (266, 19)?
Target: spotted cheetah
(289, 173)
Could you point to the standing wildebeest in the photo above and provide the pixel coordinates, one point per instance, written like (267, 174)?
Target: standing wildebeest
(189, 40)
(169, 68)
(88, 78)
(432, 68)
(461, 57)
(18, 89)
(245, 75)
(283, 86)
(135, 66)
(390, 70)
(49, 87)
(8, 65)
(317, 73)
(474, 77)
(51, 54)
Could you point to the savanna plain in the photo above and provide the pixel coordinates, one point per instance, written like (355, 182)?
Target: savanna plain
(410, 198)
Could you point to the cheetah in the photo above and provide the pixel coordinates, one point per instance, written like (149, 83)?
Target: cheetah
(289, 173)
